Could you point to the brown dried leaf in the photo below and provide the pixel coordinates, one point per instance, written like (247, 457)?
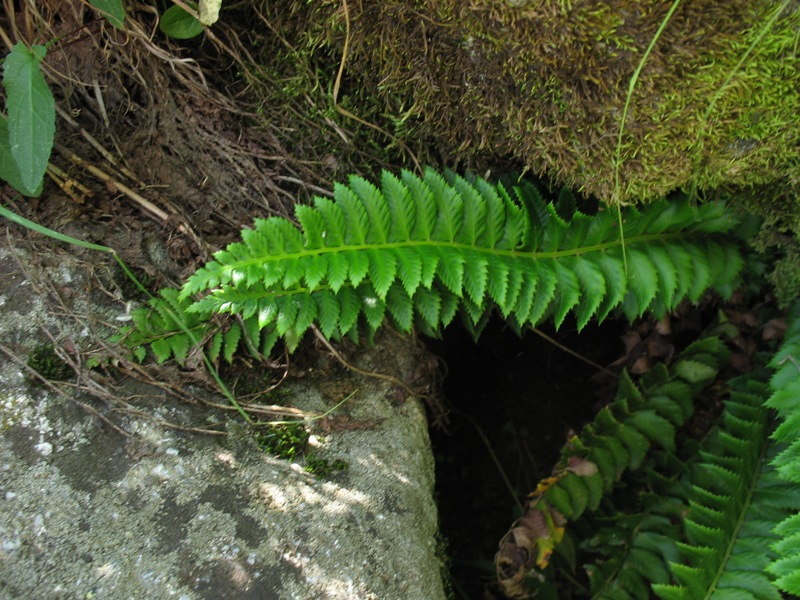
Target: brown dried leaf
(774, 329)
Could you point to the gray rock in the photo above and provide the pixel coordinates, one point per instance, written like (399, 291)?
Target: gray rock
(148, 511)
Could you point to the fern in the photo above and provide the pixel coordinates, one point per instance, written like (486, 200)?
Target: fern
(736, 501)
(421, 250)
(632, 550)
(785, 399)
(729, 545)
(619, 438)
(171, 331)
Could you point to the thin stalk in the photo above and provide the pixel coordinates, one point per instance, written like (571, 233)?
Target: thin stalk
(618, 151)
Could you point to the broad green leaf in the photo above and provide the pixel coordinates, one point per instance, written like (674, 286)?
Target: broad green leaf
(409, 268)
(593, 289)
(379, 217)
(382, 271)
(642, 279)
(338, 271)
(355, 215)
(179, 24)
(398, 197)
(374, 308)
(313, 226)
(8, 167)
(214, 347)
(451, 270)
(31, 114)
(655, 427)
(401, 308)
(113, 10)
(476, 273)
(350, 308)
(568, 292)
(428, 305)
(578, 494)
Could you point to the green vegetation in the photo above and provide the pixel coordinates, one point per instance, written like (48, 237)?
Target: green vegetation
(26, 134)
(422, 250)
(45, 361)
(322, 467)
(628, 108)
(287, 440)
(290, 441)
(691, 520)
(546, 84)
(28, 129)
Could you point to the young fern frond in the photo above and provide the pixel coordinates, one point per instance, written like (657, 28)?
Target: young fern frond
(785, 399)
(171, 331)
(420, 250)
(618, 439)
(736, 500)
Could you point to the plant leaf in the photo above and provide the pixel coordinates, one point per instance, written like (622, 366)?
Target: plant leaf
(9, 171)
(113, 10)
(31, 114)
(179, 24)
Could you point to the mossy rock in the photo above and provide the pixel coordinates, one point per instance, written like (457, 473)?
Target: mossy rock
(545, 83)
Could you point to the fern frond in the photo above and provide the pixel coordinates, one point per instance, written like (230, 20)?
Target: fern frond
(785, 399)
(735, 502)
(171, 331)
(632, 551)
(447, 240)
(618, 439)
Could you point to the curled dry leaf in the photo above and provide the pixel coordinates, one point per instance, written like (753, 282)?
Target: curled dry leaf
(774, 329)
(530, 541)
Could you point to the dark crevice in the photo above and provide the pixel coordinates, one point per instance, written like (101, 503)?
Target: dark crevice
(521, 397)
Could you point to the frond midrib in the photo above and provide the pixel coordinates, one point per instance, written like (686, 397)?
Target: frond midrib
(461, 246)
(745, 508)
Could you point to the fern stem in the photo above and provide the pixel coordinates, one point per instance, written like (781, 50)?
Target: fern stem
(712, 588)
(433, 245)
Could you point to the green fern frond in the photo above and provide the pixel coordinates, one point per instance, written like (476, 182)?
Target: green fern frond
(633, 551)
(617, 440)
(785, 399)
(170, 330)
(416, 248)
(736, 500)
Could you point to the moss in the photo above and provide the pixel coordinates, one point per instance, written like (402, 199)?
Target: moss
(322, 467)
(44, 360)
(786, 277)
(284, 441)
(545, 83)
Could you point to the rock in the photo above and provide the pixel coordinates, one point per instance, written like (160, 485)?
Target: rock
(113, 503)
